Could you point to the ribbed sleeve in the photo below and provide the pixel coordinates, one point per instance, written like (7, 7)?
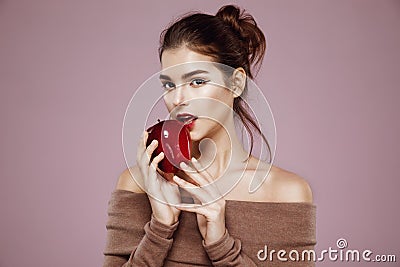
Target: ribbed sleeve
(153, 246)
(227, 252)
(136, 238)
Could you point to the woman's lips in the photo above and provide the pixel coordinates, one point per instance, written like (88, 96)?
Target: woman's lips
(190, 124)
(185, 117)
(188, 119)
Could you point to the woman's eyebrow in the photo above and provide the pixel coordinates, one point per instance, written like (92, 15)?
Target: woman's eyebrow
(193, 73)
(164, 77)
(184, 76)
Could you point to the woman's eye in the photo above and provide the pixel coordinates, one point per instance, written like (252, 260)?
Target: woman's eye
(168, 85)
(198, 82)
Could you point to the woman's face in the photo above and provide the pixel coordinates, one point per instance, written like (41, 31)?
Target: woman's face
(195, 87)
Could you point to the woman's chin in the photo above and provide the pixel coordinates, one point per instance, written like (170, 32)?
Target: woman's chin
(194, 137)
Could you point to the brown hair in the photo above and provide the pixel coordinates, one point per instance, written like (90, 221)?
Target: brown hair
(232, 38)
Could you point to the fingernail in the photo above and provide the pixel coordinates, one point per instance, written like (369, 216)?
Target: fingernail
(183, 164)
(194, 159)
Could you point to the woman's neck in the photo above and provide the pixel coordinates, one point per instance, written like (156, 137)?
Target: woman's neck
(221, 151)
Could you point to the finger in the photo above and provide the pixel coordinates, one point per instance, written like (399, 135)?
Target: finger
(201, 169)
(206, 181)
(196, 164)
(182, 183)
(155, 161)
(193, 174)
(211, 186)
(150, 149)
(145, 159)
(152, 169)
(141, 145)
(196, 208)
(195, 191)
(154, 187)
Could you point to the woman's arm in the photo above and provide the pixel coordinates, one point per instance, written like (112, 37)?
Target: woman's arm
(134, 236)
(151, 250)
(222, 249)
(227, 252)
(151, 226)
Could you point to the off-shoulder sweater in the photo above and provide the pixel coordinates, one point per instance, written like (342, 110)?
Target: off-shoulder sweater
(255, 230)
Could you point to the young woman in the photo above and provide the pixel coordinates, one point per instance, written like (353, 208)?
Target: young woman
(148, 226)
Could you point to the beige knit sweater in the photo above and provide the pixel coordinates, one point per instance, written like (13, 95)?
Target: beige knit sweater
(136, 238)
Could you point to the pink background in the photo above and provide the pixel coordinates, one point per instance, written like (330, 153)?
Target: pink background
(69, 68)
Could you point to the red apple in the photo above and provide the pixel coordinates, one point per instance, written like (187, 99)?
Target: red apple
(174, 140)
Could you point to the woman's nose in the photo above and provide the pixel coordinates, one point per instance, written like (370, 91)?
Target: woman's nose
(178, 95)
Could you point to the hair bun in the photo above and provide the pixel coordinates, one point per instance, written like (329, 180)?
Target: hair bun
(231, 15)
(247, 30)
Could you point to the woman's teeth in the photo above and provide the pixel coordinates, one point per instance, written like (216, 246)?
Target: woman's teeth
(187, 118)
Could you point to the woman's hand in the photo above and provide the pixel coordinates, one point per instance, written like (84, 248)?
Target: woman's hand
(160, 192)
(210, 205)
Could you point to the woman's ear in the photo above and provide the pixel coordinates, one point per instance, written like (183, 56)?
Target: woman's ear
(238, 81)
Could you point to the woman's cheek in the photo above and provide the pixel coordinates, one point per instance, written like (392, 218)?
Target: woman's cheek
(168, 103)
(221, 95)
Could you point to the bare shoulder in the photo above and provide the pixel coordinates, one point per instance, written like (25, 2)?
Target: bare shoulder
(127, 180)
(286, 186)
(280, 185)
